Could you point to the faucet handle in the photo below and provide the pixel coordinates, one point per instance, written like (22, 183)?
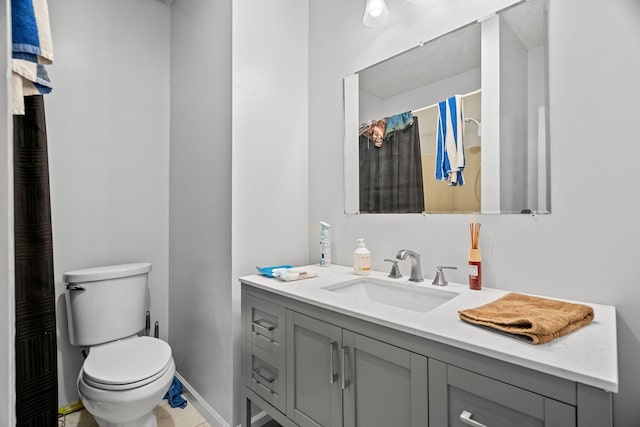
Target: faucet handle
(440, 279)
(395, 270)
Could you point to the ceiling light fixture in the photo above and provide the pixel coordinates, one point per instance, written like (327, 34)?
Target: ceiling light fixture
(375, 13)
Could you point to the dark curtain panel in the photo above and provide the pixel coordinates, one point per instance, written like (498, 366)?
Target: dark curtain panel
(36, 366)
(391, 175)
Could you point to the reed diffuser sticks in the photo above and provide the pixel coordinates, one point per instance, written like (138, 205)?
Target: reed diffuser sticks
(475, 234)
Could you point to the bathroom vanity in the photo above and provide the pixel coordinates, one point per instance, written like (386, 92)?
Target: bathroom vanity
(338, 350)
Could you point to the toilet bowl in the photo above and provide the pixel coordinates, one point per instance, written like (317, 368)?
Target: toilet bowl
(120, 383)
(124, 376)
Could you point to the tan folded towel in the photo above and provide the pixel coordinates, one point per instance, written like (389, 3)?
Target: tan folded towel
(537, 319)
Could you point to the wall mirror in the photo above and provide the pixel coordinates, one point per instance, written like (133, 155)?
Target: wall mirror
(458, 124)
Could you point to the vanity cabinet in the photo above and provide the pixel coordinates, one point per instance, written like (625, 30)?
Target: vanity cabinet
(337, 377)
(311, 366)
(462, 398)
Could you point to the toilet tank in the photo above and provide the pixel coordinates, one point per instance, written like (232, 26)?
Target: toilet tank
(106, 303)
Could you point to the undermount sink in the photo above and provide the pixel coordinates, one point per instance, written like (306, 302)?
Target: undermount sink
(396, 294)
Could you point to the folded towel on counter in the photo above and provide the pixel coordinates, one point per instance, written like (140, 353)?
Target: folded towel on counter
(538, 320)
(289, 274)
(32, 48)
(268, 271)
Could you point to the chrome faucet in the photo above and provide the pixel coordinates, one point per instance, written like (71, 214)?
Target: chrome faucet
(416, 269)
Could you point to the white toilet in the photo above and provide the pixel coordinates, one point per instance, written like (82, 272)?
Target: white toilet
(124, 375)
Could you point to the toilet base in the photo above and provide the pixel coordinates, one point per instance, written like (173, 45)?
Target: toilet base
(147, 420)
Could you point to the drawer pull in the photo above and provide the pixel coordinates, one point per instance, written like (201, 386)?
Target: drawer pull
(261, 323)
(332, 351)
(465, 417)
(267, 376)
(345, 381)
(262, 386)
(269, 340)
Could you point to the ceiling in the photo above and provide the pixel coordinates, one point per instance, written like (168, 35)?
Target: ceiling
(431, 62)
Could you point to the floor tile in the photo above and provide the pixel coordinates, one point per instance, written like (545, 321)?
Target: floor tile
(165, 415)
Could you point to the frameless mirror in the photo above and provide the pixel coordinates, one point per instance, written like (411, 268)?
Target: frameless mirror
(458, 124)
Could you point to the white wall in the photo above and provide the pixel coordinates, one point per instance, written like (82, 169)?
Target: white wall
(7, 356)
(270, 142)
(200, 213)
(108, 137)
(587, 249)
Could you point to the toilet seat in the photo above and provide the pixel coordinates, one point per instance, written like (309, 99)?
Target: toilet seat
(127, 364)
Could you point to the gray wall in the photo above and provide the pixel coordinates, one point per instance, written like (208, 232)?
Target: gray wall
(587, 248)
(200, 207)
(108, 135)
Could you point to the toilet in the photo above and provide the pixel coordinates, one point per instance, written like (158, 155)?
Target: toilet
(124, 376)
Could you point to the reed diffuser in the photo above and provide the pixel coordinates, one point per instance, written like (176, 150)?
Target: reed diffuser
(475, 258)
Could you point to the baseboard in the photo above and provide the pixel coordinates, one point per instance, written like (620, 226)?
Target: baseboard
(212, 412)
(258, 420)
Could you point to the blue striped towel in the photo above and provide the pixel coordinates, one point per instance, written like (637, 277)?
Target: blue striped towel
(32, 49)
(450, 161)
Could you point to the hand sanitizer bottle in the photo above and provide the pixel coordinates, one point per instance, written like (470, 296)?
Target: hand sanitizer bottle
(325, 245)
(361, 259)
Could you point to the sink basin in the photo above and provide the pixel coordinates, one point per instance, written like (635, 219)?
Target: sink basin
(401, 295)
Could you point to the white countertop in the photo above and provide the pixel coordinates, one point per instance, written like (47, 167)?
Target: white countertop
(588, 355)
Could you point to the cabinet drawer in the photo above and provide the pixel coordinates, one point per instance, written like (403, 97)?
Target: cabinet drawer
(265, 377)
(466, 399)
(265, 324)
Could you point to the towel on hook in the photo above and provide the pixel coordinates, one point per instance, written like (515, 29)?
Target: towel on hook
(450, 161)
(32, 49)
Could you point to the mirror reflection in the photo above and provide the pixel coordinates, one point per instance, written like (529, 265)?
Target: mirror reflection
(456, 125)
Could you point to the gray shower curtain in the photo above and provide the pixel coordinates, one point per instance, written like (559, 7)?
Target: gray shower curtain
(391, 175)
(35, 341)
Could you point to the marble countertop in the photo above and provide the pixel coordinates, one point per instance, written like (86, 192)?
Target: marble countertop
(588, 355)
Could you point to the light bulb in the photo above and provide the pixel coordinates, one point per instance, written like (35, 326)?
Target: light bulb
(375, 13)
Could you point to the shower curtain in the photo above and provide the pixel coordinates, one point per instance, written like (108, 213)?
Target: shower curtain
(35, 340)
(391, 175)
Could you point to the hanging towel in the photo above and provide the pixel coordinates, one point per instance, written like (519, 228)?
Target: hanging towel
(174, 395)
(376, 131)
(32, 49)
(538, 320)
(398, 122)
(450, 161)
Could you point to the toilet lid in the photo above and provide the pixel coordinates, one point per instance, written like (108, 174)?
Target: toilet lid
(127, 362)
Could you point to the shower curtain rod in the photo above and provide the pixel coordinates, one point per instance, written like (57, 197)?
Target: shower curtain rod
(436, 104)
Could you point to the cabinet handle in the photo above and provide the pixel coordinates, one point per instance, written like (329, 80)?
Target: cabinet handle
(268, 378)
(465, 417)
(265, 388)
(332, 351)
(261, 323)
(345, 381)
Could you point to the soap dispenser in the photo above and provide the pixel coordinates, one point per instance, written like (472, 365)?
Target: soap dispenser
(361, 259)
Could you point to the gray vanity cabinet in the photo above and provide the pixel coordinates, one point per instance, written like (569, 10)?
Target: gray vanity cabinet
(336, 377)
(314, 394)
(385, 385)
(458, 397)
(310, 366)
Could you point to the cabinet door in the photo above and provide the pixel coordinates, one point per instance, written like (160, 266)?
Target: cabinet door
(314, 397)
(462, 398)
(384, 385)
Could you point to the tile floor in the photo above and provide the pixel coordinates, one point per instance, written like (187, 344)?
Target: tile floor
(165, 415)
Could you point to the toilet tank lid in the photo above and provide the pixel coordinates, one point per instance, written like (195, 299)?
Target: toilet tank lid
(106, 272)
